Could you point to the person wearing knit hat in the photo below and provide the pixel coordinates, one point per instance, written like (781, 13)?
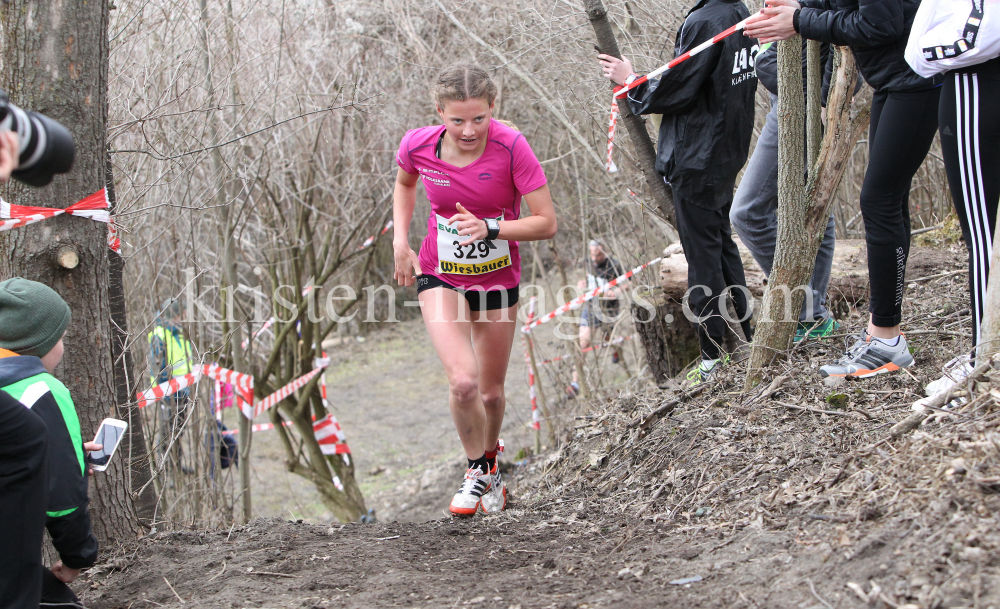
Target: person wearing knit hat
(33, 317)
(33, 320)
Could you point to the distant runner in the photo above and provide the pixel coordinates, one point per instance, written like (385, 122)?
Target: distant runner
(475, 171)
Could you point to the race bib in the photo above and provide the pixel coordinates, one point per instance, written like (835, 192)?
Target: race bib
(473, 259)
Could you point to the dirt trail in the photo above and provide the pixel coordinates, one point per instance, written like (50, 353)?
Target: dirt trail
(390, 395)
(795, 497)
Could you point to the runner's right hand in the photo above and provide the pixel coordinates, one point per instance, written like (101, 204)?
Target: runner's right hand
(407, 265)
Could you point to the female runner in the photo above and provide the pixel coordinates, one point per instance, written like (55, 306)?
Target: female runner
(475, 171)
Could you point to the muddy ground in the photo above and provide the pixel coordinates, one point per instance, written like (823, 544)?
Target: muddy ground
(792, 495)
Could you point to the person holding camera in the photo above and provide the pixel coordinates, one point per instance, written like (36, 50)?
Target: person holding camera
(42, 473)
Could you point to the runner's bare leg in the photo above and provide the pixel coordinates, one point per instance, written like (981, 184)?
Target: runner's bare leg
(493, 340)
(448, 322)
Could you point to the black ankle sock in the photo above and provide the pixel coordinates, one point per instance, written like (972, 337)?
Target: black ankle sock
(481, 463)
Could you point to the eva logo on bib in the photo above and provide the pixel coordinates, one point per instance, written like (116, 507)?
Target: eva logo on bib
(473, 259)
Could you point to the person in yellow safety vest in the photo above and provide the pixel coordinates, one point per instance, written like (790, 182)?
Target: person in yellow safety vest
(170, 356)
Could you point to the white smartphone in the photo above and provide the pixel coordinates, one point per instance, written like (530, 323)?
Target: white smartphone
(109, 435)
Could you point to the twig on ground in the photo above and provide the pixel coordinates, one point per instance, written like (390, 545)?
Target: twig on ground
(818, 597)
(914, 420)
(172, 590)
(667, 407)
(273, 573)
(816, 410)
(217, 575)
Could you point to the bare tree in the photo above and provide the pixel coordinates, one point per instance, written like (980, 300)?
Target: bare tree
(55, 59)
(803, 210)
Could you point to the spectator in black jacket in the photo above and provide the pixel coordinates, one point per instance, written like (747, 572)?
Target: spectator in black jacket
(23, 496)
(904, 118)
(707, 103)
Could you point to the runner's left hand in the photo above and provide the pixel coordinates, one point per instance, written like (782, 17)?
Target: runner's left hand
(468, 225)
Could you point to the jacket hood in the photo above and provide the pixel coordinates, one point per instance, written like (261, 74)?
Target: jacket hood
(14, 369)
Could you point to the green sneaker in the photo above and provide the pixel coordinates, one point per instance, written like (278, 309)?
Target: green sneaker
(704, 371)
(817, 329)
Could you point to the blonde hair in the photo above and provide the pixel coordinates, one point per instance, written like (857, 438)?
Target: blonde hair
(461, 82)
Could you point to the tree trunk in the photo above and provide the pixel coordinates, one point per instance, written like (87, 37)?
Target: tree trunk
(56, 62)
(669, 339)
(989, 327)
(802, 219)
(134, 449)
(780, 310)
(644, 149)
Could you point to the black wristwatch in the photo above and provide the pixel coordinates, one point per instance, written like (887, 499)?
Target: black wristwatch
(492, 231)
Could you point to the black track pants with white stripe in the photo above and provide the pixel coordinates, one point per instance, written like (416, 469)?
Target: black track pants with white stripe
(970, 140)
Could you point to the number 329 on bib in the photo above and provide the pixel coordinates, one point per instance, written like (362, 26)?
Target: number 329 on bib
(475, 258)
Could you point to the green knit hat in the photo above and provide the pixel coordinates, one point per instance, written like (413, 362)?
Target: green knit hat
(33, 317)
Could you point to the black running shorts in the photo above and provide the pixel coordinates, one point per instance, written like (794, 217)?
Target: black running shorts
(479, 300)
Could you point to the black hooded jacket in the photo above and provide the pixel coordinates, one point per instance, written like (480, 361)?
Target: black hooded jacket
(67, 516)
(707, 103)
(876, 31)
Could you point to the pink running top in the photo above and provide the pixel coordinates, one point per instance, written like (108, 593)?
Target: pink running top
(491, 186)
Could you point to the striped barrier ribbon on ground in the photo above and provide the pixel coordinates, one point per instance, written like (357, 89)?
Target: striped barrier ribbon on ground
(622, 91)
(577, 302)
(254, 411)
(535, 418)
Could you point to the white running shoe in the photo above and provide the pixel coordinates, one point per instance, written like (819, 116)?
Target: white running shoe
(474, 486)
(495, 500)
(955, 372)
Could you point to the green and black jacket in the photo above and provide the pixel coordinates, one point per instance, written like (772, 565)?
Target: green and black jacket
(68, 522)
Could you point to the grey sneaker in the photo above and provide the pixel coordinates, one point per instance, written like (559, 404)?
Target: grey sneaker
(870, 356)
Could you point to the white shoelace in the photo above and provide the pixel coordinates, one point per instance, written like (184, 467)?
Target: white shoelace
(471, 479)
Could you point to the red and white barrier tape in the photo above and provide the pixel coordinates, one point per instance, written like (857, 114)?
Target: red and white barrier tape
(243, 382)
(330, 435)
(536, 422)
(331, 443)
(94, 206)
(622, 91)
(610, 343)
(154, 394)
(256, 428)
(371, 239)
(254, 411)
(611, 167)
(577, 302)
